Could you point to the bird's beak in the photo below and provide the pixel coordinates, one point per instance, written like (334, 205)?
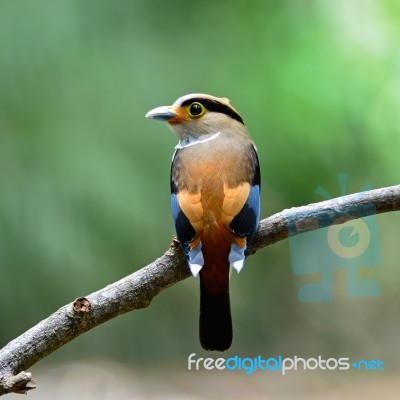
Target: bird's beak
(165, 113)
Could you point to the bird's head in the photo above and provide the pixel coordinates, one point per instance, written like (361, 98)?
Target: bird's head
(195, 115)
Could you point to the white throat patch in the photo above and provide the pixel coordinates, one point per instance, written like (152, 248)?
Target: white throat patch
(192, 141)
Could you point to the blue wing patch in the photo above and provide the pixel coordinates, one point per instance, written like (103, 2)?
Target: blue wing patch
(246, 222)
(183, 227)
(186, 233)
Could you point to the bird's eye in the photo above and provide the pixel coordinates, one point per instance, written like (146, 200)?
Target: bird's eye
(196, 109)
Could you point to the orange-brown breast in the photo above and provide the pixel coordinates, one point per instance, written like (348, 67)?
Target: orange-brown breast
(213, 187)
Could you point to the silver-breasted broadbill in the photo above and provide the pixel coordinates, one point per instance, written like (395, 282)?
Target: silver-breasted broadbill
(215, 201)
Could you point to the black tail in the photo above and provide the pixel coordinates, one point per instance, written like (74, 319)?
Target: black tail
(215, 320)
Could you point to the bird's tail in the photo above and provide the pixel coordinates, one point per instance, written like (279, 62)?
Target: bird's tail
(215, 319)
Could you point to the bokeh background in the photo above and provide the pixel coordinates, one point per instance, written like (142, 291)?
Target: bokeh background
(84, 182)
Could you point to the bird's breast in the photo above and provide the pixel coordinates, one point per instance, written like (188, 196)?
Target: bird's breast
(207, 177)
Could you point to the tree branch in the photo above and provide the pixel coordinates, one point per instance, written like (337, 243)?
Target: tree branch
(138, 289)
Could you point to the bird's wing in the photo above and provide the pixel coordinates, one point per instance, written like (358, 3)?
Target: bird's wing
(183, 226)
(187, 212)
(241, 206)
(246, 220)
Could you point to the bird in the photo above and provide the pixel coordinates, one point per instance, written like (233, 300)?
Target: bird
(215, 201)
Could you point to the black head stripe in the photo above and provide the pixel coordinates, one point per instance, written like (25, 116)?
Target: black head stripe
(216, 106)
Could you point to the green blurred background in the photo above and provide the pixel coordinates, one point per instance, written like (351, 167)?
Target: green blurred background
(84, 177)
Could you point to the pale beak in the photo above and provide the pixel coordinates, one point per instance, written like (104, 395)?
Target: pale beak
(164, 113)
